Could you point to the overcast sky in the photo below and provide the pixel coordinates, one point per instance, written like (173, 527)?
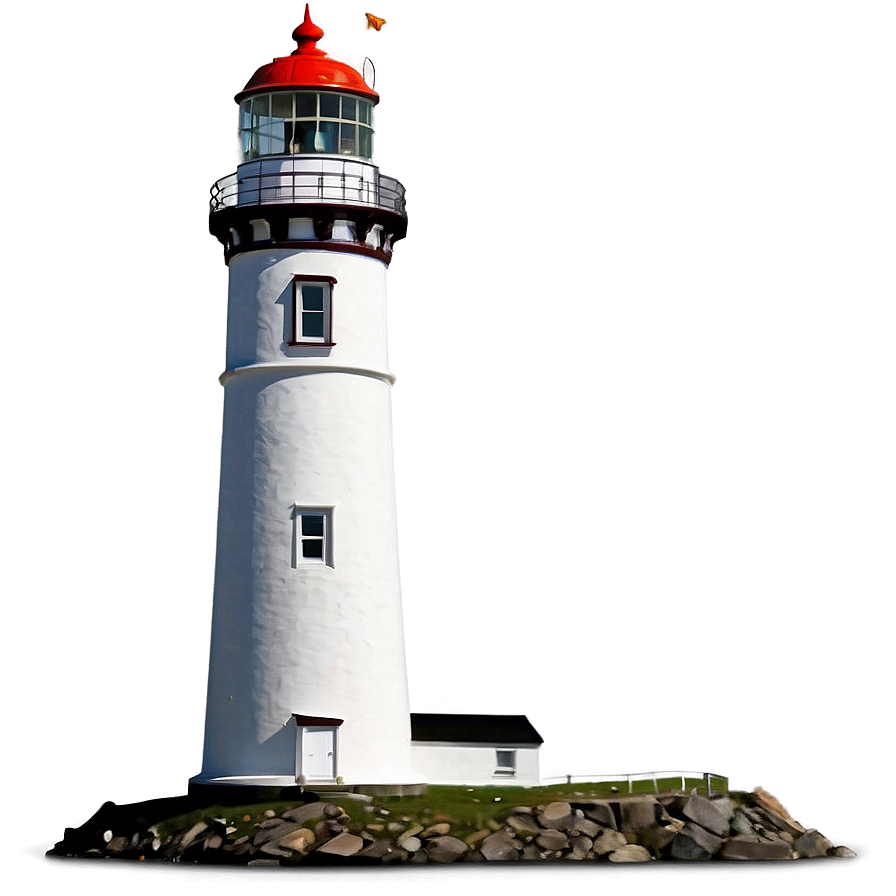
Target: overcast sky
(642, 326)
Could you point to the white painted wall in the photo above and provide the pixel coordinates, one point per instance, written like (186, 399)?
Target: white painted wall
(309, 426)
(453, 763)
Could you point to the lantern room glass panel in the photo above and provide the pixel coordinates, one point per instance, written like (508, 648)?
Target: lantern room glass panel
(306, 122)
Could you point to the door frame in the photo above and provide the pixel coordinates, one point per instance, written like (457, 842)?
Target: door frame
(308, 724)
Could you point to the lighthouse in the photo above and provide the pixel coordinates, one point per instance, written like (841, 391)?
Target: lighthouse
(307, 679)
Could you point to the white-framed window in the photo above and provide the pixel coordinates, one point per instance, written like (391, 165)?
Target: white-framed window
(312, 536)
(312, 319)
(505, 763)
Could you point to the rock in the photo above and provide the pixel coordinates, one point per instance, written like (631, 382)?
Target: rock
(747, 848)
(326, 828)
(379, 849)
(119, 844)
(342, 845)
(412, 831)
(297, 840)
(275, 849)
(411, 844)
(556, 816)
(741, 824)
(766, 801)
(694, 843)
(500, 847)
(304, 813)
(702, 812)
(552, 840)
(608, 841)
(725, 805)
(192, 834)
(602, 813)
(277, 832)
(523, 824)
(445, 849)
(331, 811)
(269, 813)
(659, 837)
(631, 852)
(637, 813)
(477, 836)
(435, 830)
(587, 827)
(812, 845)
(841, 852)
(581, 846)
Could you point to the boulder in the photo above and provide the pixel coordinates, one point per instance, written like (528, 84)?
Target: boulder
(304, 813)
(704, 813)
(435, 830)
(741, 824)
(746, 848)
(602, 813)
(552, 840)
(523, 824)
(631, 852)
(297, 840)
(379, 849)
(638, 813)
(841, 852)
(812, 845)
(581, 846)
(191, 835)
(411, 844)
(342, 845)
(277, 832)
(694, 843)
(608, 841)
(500, 847)
(445, 849)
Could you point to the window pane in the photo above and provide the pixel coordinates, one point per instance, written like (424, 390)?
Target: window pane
(349, 107)
(313, 524)
(313, 324)
(304, 136)
(365, 109)
(245, 108)
(365, 145)
(329, 105)
(314, 549)
(348, 140)
(312, 298)
(281, 105)
(306, 105)
(325, 139)
(261, 106)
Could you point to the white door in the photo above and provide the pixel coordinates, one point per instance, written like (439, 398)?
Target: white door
(319, 754)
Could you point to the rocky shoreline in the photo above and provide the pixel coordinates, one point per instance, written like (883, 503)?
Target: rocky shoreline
(348, 829)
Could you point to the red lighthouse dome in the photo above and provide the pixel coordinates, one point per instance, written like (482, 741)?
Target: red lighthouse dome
(308, 68)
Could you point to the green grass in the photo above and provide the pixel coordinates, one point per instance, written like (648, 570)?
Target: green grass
(468, 809)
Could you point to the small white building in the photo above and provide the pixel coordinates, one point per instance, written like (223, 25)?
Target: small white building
(307, 681)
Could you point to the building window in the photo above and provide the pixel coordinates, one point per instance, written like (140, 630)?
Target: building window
(312, 319)
(505, 763)
(312, 536)
(306, 122)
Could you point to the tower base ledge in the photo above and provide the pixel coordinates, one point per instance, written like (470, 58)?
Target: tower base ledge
(260, 788)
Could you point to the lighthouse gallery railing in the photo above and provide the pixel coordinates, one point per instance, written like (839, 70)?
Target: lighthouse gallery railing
(302, 179)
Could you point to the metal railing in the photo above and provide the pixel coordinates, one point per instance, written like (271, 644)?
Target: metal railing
(713, 783)
(304, 181)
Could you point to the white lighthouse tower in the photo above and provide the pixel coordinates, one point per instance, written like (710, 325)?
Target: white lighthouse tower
(307, 680)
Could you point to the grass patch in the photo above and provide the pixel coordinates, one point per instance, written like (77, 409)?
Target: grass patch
(467, 809)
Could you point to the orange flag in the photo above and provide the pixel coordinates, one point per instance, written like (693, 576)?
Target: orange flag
(374, 22)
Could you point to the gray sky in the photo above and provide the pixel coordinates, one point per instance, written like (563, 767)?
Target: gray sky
(642, 326)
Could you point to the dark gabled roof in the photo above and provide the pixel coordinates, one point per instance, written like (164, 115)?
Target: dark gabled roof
(473, 729)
